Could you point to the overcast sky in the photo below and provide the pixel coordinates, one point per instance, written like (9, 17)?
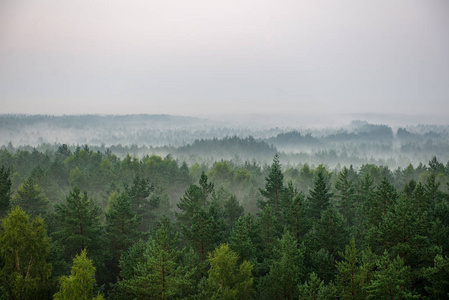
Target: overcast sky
(204, 57)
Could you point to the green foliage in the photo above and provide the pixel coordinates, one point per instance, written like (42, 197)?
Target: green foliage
(346, 195)
(5, 190)
(240, 241)
(274, 185)
(316, 289)
(438, 276)
(79, 226)
(24, 248)
(81, 281)
(153, 272)
(227, 279)
(286, 270)
(353, 273)
(391, 280)
(31, 198)
(319, 197)
(295, 218)
(121, 228)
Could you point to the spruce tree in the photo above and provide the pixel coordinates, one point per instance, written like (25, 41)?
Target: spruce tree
(274, 186)
(79, 226)
(346, 196)
(286, 270)
(158, 274)
(5, 190)
(31, 198)
(391, 280)
(319, 197)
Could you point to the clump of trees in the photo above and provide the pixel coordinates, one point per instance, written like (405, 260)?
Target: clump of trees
(90, 225)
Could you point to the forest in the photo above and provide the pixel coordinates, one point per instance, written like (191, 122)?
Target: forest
(268, 213)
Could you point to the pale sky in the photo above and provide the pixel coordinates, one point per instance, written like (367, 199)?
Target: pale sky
(206, 57)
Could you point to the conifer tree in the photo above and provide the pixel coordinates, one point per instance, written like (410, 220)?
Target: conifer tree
(346, 196)
(158, 275)
(316, 289)
(319, 197)
(240, 241)
(438, 276)
(274, 186)
(121, 231)
(331, 231)
(31, 198)
(295, 218)
(143, 201)
(391, 280)
(286, 270)
(79, 226)
(5, 190)
(353, 274)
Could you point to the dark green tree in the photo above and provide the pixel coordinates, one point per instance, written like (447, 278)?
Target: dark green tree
(31, 198)
(438, 276)
(274, 185)
(319, 197)
(79, 226)
(390, 280)
(354, 273)
(158, 275)
(316, 289)
(144, 201)
(5, 190)
(286, 270)
(346, 196)
(121, 231)
(240, 241)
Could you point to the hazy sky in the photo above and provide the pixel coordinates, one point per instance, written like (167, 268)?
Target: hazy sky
(203, 57)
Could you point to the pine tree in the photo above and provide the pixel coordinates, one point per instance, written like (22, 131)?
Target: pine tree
(31, 198)
(240, 241)
(121, 231)
(80, 284)
(352, 274)
(227, 279)
(346, 195)
(316, 289)
(274, 185)
(79, 226)
(295, 218)
(285, 271)
(319, 197)
(383, 198)
(5, 190)
(390, 280)
(24, 248)
(438, 276)
(144, 201)
(331, 231)
(232, 211)
(157, 274)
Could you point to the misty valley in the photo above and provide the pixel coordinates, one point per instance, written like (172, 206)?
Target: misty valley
(172, 207)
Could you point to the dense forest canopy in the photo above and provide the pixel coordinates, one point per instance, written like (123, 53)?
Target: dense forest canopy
(275, 214)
